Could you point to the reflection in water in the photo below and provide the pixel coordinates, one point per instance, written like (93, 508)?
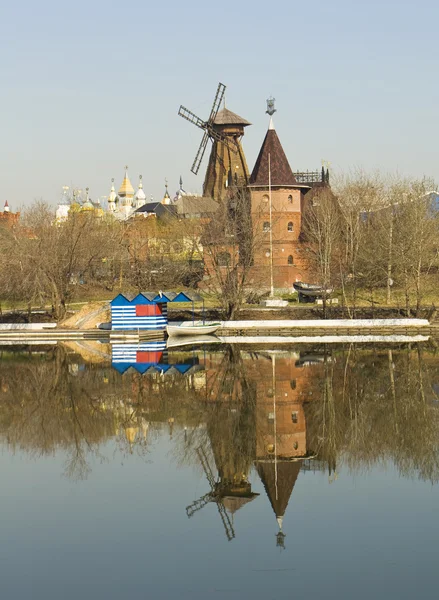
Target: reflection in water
(229, 410)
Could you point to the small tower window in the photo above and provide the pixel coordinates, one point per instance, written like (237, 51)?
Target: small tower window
(294, 417)
(293, 384)
(290, 226)
(290, 260)
(265, 198)
(290, 199)
(267, 252)
(266, 226)
(295, 445)
(223, 259)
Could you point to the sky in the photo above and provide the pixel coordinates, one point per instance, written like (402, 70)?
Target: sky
(88, 87)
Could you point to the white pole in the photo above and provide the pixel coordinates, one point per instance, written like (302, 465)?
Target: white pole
(271, 228)
(273, 366)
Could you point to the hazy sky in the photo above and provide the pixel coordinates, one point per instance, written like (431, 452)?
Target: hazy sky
(89, 86)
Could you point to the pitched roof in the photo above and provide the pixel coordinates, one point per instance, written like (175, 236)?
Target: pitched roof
(287, 473)
(227, 117)
(281, 173)
(195, 206)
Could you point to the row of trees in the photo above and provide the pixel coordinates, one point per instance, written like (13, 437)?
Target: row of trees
(376, 235)
(367, 236)
(43, 262)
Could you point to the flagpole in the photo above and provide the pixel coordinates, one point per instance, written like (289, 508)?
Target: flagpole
(271, 228)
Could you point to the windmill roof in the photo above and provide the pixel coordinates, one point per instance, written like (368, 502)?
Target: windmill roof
(287, 473)
(234, 503)
(281, 173)
(227, 117)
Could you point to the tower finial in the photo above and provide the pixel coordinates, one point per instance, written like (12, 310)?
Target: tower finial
(280, 536)
(270, 106)
(271, 110)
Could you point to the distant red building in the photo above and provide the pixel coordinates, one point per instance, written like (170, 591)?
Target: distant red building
(8, 218)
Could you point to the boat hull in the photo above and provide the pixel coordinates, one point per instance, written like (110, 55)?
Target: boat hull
(188, 328)
(311, 289)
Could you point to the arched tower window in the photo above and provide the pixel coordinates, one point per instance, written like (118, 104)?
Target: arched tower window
(265, 198)
(290, 226)
(266, 226)
(290, 260)
(290, 199)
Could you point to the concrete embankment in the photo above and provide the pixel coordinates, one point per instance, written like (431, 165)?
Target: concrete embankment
(236, 330)
(62, 335)
(334, 327)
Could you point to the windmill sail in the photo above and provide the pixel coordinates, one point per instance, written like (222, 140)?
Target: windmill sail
(199, 156)
(217, 102)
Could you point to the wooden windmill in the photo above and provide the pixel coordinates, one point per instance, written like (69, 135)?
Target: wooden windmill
(225, 129)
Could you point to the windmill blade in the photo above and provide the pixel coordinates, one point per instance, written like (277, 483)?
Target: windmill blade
(228, 527)
(217, 102)
(191, 117)
(198, 504)
(206, 467)
(199, 156)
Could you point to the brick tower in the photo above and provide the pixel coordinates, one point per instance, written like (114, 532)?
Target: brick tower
(273, 184)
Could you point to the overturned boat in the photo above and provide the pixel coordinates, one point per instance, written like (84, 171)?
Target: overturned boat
(311, 290)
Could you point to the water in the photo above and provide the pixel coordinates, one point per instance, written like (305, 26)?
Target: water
(309, 472)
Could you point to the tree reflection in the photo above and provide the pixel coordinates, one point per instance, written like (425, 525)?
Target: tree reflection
(347, 405)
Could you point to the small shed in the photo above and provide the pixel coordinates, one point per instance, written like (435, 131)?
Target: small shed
(147, 310)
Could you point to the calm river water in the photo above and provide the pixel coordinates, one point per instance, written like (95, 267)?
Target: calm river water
(219, 472)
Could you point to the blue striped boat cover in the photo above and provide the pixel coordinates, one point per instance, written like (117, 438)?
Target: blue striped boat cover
(125, 318)
(146, 356)
(142, 356)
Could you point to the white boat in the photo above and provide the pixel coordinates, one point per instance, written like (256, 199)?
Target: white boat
(182, 341)
(193, 328)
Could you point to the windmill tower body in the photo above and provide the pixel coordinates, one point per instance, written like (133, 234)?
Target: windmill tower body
(225, 162)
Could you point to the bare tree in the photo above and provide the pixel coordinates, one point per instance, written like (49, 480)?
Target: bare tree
(46, 259)
(322, 232)
(229, 241)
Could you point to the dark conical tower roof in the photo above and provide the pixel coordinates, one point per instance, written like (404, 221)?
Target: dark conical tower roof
(287, 473)
(281, 173)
